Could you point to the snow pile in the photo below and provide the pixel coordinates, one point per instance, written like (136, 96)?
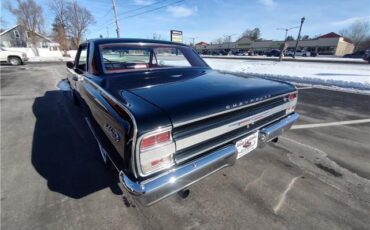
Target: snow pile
(354, 76)
(328, 58)
(50, 59)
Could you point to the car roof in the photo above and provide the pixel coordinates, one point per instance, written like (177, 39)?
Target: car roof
(130, 40)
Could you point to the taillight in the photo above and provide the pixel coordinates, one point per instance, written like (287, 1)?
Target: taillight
(292, 96)
(155, 140)
(156, 152)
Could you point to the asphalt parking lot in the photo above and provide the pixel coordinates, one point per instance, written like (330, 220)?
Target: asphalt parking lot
(316, 177)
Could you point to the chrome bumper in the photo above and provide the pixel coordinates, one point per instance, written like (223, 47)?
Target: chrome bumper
(275, 129)
(155, 189)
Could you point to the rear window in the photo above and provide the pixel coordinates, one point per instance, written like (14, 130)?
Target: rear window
(128, 57)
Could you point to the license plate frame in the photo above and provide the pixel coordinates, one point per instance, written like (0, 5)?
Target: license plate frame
(246, 144)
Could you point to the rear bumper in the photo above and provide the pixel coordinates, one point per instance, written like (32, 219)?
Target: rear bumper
(153, 190)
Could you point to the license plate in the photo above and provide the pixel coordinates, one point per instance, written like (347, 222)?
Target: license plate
(247, 144)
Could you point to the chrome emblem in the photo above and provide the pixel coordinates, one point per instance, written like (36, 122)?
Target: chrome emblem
(246, 102)
(113, 133)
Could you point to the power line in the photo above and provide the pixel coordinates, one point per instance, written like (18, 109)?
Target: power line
(141, 13)
(109, 10)
(151, 10)
(130, 11)
(143, 7)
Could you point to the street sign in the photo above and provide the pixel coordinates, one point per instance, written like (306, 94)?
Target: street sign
(176, 36)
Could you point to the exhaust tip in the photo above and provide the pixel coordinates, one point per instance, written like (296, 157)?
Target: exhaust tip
(275, 140)
(183, 194)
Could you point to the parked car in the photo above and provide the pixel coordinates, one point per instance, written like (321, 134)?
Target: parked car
(366, 56)
(273, 53)
(298, 53)
(358, 54)
(314, 54)
(167, 121)
(215, 53)
(13, 57)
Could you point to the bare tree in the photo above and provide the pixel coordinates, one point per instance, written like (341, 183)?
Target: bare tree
(3, 23)
(59, 9)
(357, 32)
(78, 20)
(59, 35)
(156, 36)
(218, 41)
(253, 35)
(221, 40)
(29, 15)
(290, 38)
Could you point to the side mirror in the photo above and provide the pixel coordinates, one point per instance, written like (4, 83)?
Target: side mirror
(69, 65)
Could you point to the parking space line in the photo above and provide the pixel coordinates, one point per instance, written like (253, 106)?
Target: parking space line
(307, 126)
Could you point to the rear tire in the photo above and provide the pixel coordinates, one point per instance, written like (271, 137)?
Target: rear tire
(15, 61)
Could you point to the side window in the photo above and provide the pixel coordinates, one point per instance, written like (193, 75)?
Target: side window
(16, 34)
(82, 58)
(170, 57)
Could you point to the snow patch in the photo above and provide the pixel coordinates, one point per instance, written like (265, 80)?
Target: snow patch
(346, 76)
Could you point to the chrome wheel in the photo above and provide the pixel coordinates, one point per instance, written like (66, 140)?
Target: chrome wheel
(15, 61)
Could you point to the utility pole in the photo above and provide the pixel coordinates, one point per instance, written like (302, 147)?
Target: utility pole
(287, 30)
(116, 18)
(229, 40)
(107, 32)
(299, 35)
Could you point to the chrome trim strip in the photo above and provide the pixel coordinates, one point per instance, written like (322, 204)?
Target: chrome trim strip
(274, 130)
(98, 141)
(230, 139)
(201, 137)
(175, 125)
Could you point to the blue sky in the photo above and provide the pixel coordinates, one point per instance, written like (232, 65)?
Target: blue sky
(207, 20)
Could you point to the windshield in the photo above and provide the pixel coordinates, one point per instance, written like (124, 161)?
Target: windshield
(128, 57)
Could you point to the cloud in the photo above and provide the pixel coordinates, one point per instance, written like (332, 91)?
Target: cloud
(181, 11)
(349, 21)
(268, 3)
(143, 2)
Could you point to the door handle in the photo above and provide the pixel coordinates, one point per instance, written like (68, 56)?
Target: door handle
(75, 78)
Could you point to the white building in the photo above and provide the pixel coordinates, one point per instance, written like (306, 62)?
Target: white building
(18, 38)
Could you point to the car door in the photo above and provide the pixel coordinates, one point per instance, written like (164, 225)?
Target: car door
(3, 56)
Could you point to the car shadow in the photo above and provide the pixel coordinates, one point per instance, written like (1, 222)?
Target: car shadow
(64, 151)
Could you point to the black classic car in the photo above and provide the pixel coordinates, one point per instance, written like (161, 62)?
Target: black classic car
(164, 119)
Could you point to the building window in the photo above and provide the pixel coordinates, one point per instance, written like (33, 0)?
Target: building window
(328, 50)
(16, 34)
(29, 34)
(44, 45)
